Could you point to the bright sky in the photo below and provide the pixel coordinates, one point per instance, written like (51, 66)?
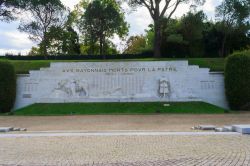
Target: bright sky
(13, 41)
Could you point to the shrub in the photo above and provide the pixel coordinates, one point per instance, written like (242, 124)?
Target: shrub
(237, 80)
(7, 86)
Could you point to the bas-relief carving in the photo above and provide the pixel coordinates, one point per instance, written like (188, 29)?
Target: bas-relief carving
(164, 88)
(70, 88)
(117, 86)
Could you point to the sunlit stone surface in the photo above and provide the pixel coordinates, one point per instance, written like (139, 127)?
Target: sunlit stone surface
(120, 82)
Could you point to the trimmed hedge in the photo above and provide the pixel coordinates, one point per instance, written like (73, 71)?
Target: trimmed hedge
(7, 86)
(237, 80)
(82, 57)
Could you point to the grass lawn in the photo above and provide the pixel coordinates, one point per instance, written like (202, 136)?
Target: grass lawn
(120, 108)
(23, 66)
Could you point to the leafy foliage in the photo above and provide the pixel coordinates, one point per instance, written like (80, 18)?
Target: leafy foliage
(63, 41)
(45, 14)
(109, 48)
(101, 20)
(161, 10)
(234, 16)
(8, 9)
(193, 35)
(237, 80)
(135, 45)
(7, 86)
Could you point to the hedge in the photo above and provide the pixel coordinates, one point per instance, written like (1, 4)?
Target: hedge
(237, 80)
(81, 57)
(7, 86)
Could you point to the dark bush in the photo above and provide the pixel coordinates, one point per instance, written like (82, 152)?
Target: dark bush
(237, 80)
(7, 86)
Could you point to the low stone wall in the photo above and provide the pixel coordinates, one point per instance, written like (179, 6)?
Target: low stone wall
(168, 81)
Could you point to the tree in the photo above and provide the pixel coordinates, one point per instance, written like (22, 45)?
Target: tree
(45, 14)
(100, 21)
(234, 15)
(158, 10)
(191, 28)
(173, 43)
(135, 45)
(63, 40)
(109, 48)
(35, 51)
(149, 38)
(8, 9)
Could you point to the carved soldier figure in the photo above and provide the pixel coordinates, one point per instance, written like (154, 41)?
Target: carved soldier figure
(164, 88)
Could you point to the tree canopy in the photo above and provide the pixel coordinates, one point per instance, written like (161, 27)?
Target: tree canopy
(101, 20)
(159, 13)
(9, 9)
(234, 15)
(44, 15)
(91, 26)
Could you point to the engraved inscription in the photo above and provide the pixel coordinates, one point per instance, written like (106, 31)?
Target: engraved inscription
(206, 85)
(27, 96)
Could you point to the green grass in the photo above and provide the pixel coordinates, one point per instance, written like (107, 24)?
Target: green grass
(119, 108)
(23, 66)
(215, 64)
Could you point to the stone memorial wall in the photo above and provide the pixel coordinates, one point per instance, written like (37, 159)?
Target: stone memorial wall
(120, 82)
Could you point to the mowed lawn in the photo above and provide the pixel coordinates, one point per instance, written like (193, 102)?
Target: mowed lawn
(23, 66)
(120, 108)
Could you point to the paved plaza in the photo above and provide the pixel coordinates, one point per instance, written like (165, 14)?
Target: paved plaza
(140, 150)
(154, 140)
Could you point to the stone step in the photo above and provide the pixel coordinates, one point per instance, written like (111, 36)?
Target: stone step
(244, 129)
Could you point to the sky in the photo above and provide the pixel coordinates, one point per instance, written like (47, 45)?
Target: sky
(13, 41)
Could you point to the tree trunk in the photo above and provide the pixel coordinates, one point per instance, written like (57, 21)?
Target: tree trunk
(223, 45)
(45, 51)
(157, 39)
(101, 47)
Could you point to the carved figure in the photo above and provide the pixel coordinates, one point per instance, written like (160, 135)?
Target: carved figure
(72, 88)
(81, 88)
(164, 88)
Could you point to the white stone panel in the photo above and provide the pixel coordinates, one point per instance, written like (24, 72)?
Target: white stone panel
(120, 82)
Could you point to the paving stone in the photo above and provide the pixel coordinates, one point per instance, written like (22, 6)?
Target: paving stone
(190, 150)
(244, 129)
